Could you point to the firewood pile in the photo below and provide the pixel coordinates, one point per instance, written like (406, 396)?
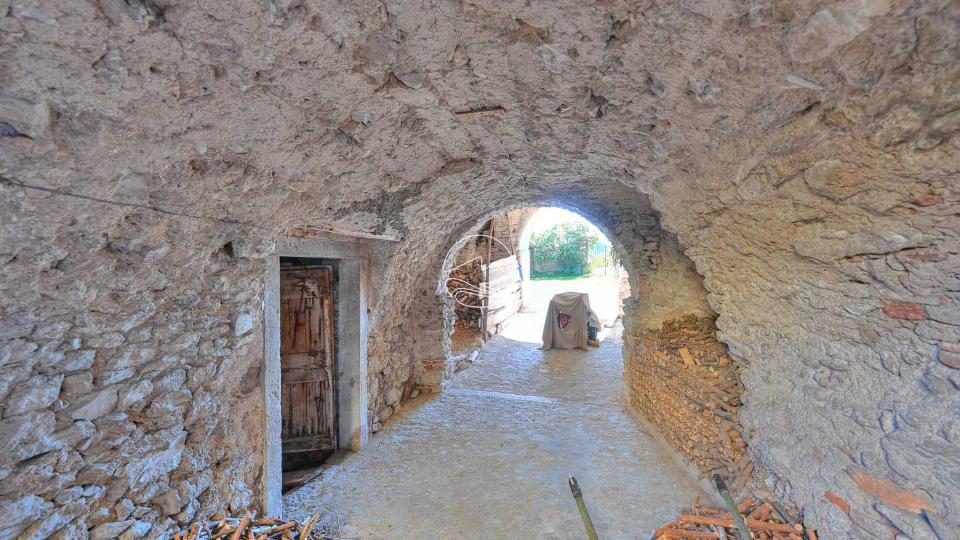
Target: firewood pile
(468, 276)
(764, 520)
(686, 385)
(247, 528)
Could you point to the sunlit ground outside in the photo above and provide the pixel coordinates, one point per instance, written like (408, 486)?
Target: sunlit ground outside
(527, 326)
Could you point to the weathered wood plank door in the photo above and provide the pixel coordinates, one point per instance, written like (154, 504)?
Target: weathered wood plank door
(307, 370)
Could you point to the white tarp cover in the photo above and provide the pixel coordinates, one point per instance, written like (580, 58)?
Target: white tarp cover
(567, 319)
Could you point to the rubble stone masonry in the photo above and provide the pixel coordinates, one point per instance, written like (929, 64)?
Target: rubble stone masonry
(789, 167)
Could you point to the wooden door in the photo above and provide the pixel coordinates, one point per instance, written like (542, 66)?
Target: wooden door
(307, 366)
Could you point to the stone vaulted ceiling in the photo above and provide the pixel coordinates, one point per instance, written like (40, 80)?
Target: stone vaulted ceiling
(805, 153)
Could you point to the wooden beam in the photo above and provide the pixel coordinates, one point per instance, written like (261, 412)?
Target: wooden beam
(319, 231)
(484, 110)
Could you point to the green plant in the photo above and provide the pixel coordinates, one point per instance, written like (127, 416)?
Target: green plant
(562, 249)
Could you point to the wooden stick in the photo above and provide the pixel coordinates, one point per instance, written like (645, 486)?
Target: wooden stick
(290, 525)
(761, 512)
(243, 525)
(666, 527)
(744, 476)
(223, 532)
(674, 533)
(752, 523)
(308, 527)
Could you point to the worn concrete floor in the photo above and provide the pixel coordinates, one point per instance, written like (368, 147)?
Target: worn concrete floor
(490, 457)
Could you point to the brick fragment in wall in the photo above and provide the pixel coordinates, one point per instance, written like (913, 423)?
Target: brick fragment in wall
(683, 381)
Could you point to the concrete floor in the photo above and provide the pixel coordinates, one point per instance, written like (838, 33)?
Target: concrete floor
(490, 457)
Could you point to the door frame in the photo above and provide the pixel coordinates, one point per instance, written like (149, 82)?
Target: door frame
(351, 353)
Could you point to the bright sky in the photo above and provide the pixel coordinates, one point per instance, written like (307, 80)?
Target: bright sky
(545, 218)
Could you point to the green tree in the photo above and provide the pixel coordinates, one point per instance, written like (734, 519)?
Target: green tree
(562, 249)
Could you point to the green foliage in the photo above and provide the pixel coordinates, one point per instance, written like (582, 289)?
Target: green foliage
(562, 249)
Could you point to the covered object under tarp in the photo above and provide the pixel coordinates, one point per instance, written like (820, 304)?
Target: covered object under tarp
(568, 316)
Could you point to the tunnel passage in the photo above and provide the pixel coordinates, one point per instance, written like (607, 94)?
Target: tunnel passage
(155, 154)
(679, 377)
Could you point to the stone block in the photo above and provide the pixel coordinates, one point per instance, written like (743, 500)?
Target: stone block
(188, 513)
(28, 117)
(101, 404)
(130, 357)
(168, 503)
(37, 392)
(79, 360)
(114, 377)
(138, 529)
(52, 330)
(76, 434)
(76, 385)
(135, 393)
(106, 340)
(16, 515)
(153, 466)
(123, 508)
(242, 323)
(25, 436)
(110, 530)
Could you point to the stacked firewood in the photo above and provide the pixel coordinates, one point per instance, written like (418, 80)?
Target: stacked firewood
(764, 521)
(247, 528)
(684, 382)
(463, 280)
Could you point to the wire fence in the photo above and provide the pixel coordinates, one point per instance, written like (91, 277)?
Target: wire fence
(603, 260)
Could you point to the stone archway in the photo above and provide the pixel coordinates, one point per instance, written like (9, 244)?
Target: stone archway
(432, 351)
(667, 299)
(434, 366)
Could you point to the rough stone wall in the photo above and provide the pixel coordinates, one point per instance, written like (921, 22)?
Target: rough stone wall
(830, 253)
(850, 330)
(803, 152)
(667, 288)
(128, 403)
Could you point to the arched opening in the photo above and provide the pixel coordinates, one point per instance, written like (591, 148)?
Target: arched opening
(500, 241)
(496, 288)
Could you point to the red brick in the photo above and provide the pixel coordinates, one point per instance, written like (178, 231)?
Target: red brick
(888, 492)
(950, 359)
(925, 255)
(905, 310)
(841, 504)
(927, 199)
